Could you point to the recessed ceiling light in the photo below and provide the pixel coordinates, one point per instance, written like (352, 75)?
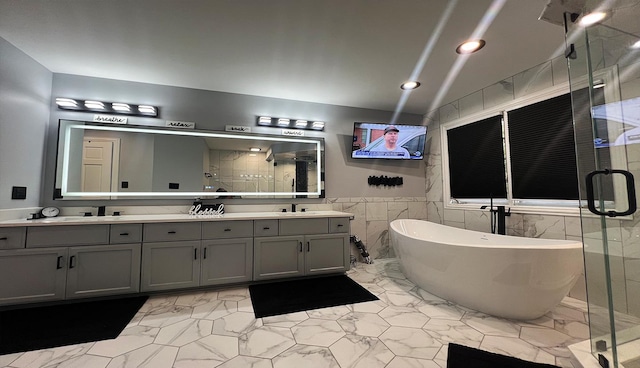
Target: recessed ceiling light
(410, 85)
(592, 18)
(254, 149)
(469, 47)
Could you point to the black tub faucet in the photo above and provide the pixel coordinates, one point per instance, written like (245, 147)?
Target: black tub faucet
(102, 210)
(498, 217)
(293, 207)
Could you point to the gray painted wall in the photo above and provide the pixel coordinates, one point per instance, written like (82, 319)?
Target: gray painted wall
(211, 110)
(25, 95)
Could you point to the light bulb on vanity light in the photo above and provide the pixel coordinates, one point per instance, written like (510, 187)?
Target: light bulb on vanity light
(120, 106)
(94, 105)
(66, 102)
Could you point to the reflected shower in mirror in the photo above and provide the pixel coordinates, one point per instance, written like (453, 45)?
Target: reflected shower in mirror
(97, 161)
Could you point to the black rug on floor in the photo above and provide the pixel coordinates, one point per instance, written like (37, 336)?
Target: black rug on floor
(460, 356)
(65, 324)
(274, 298)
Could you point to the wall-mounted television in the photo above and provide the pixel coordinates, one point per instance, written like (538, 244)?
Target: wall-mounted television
(386, 141)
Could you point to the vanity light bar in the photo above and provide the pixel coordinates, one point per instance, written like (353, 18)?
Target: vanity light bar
(106, 107)
(290, 123)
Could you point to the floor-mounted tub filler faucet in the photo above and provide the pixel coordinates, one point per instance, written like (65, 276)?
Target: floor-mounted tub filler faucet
(498, 217)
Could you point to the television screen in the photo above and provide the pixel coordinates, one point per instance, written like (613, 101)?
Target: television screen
(378, 140)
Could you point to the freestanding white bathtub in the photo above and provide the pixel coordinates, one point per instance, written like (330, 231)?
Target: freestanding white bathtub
(505, 276)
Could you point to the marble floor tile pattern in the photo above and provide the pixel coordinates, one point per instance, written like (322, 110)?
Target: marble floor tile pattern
(407, 327)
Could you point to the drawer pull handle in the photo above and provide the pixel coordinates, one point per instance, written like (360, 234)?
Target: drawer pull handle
(124, 234)
(195, 253)
(171, 232)
(71, 265)
(266, 228)
(4, 238)
(300, 247)
(308, 247)
(227, 229)
(340, 225)
(59, 264)
(205, 253)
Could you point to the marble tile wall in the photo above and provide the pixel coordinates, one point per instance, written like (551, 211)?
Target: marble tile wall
(624, 235)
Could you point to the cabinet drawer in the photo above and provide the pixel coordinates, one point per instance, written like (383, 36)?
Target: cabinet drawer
(171, 231)
(126, 233)
(339, 225)
(53, 236)
(12, 237)
(265, 227)
(227, 229)
(304, 226)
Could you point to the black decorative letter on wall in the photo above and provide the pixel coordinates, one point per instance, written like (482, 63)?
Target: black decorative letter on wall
(385, 180)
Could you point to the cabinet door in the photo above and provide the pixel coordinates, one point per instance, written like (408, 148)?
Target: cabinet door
(32, 275)
(277, 257)
(103, 270)
(226, 261)
(170, 265)
(326, 253)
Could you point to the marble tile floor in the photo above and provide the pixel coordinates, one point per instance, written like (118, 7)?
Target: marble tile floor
(407, 327)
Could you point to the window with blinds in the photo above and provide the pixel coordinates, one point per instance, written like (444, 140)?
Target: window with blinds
(542, 150)
(524, 155)
(476, 160)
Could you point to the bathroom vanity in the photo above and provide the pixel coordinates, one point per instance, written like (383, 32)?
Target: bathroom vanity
(79, 257)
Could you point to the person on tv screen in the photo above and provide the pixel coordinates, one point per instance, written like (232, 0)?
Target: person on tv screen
(391, 148)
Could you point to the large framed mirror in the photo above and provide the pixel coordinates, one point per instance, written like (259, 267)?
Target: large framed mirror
(99, 161)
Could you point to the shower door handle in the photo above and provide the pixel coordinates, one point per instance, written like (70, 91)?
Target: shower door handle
(631, 193)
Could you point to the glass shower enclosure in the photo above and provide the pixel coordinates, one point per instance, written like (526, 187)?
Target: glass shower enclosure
(604, 74)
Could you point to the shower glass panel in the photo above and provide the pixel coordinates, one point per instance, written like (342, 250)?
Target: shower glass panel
(604, 73)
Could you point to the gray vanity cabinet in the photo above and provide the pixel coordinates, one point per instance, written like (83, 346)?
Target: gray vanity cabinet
(278, 257)
(326, 254)
(227, 252)
(303, 247)
(170, 265)
(32, 275)
(103, 270)
(58, 262)
(170, 256)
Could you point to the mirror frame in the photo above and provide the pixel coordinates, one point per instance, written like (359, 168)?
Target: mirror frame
(62, 192)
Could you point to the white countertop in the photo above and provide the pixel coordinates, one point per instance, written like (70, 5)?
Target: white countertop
(128, 219)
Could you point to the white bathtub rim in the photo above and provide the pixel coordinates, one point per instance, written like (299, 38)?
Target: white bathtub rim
(536, 243)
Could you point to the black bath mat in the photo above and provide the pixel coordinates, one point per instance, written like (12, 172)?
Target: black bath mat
(274, 298)
(460, 356)
(65, 324)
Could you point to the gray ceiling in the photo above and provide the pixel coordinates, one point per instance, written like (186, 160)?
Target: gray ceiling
(343, 52)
